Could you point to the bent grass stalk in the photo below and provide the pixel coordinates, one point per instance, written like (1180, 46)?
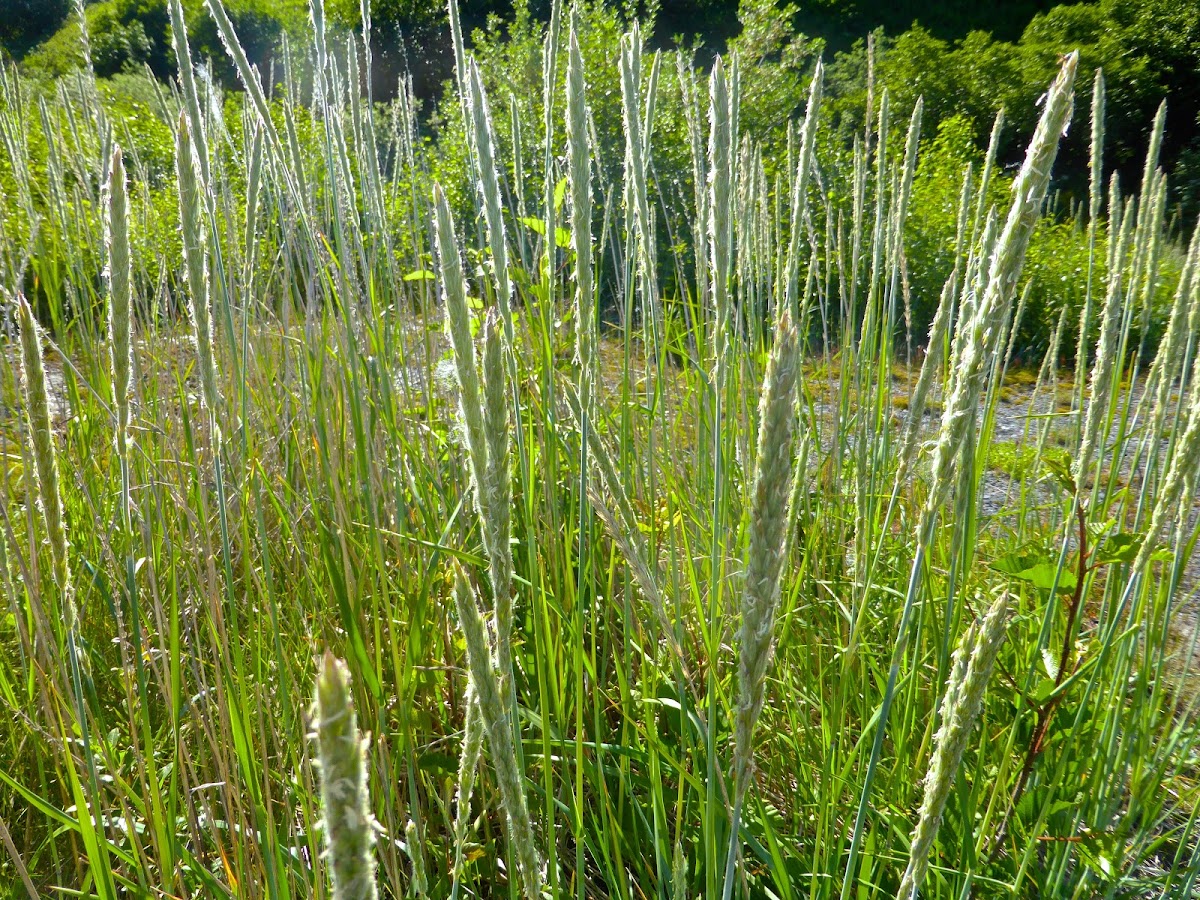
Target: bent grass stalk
(979, 334)
(49, 495)
(485, 427)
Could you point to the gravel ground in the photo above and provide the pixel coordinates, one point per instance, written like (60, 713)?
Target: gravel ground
(1022, 421)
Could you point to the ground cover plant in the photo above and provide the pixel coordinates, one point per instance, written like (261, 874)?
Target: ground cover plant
(365, 534)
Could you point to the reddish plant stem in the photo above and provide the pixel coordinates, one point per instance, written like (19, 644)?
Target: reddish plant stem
(1045, 712)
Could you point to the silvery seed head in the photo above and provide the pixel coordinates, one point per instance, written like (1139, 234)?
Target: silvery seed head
(195, 254)
(720, 184)
(119, 326)
(37, 413)
(500, 740)
(458, 324)
(416, 853)
(970, 669)
(468, 765)
(580, 179)
(980, 331)
(1106, 347)
(497, 490)
(768, 519)
(489, 191)
(679, 869)
(342, 754)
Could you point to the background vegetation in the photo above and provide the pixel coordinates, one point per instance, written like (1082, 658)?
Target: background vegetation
(964, 58)
(763, 514)
(964, 77)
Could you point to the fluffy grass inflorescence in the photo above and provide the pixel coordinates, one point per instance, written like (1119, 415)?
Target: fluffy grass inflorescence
(498, 489)
(119, 318)
(499, 737)
(416, 853)
(489, 190)
(768, 519)
(720, 178)
(342, 754)
(458, 324)
(970, 669)
(195, 254)
(45, 458)
(579, 173)
(468, 766)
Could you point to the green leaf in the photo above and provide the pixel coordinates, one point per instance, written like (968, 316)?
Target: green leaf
(560, 192)
(533, 223)
(1042, 575)
(1042, 692)
(562, 237)
(1037, 570)
(1061, 472)
(1120, 548)
(1015, 563)
(420, 275)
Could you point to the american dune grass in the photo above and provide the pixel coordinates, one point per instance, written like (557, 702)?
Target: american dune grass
(676, 608)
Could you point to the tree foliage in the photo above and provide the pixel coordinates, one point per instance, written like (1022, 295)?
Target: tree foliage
(964, 59)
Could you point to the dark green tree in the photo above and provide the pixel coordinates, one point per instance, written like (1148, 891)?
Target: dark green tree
(26, 23)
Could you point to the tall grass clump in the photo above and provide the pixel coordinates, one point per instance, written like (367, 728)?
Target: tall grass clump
(601, 442)
(976, 341)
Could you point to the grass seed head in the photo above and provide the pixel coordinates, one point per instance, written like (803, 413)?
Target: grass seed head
(342, 754)
(768, 520)
(580, 180)
(119, 325)
(458, 324)
(500, 737)
(468, 766)
(497, 523)
(37, 413)
(416, 853)
(195, 254)
(970, 668)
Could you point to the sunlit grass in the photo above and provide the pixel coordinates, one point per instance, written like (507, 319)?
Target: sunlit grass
(318, 495)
